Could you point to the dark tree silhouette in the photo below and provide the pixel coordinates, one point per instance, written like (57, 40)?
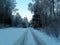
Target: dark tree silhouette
(6, 8)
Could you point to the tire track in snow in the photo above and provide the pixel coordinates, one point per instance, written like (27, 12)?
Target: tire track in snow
(22, 39)
(39, 41)
(30, 39)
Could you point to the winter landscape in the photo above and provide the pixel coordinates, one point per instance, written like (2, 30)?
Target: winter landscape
(29, 22)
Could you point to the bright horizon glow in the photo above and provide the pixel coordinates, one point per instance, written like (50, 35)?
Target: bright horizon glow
(22, 5)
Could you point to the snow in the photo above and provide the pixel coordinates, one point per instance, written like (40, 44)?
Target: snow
(25, 36)
(48, 40)
(9, 36)
(30, 39)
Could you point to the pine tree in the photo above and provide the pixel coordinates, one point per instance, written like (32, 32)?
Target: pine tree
(36, 20)
(25, 22)
(6, 8)
(18, 20)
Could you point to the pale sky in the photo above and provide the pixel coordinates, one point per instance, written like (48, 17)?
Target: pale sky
(22, 5)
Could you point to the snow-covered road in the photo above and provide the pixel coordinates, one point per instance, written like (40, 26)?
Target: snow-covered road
(25, 36)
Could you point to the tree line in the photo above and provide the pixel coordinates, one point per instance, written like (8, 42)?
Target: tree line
(46, 14)
(7, 19)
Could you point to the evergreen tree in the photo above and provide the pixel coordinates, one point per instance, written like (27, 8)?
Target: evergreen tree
(6, 8)
(44, 13)
(36, 20)
(18, 20)
(25, 22)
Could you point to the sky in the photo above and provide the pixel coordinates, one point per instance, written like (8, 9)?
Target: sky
(22, 5)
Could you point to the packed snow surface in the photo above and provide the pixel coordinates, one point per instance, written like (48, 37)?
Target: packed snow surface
(25, 36)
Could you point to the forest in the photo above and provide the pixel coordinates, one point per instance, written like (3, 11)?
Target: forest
(46, 15)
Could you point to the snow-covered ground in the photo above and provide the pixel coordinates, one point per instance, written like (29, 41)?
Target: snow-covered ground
(25, 36)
